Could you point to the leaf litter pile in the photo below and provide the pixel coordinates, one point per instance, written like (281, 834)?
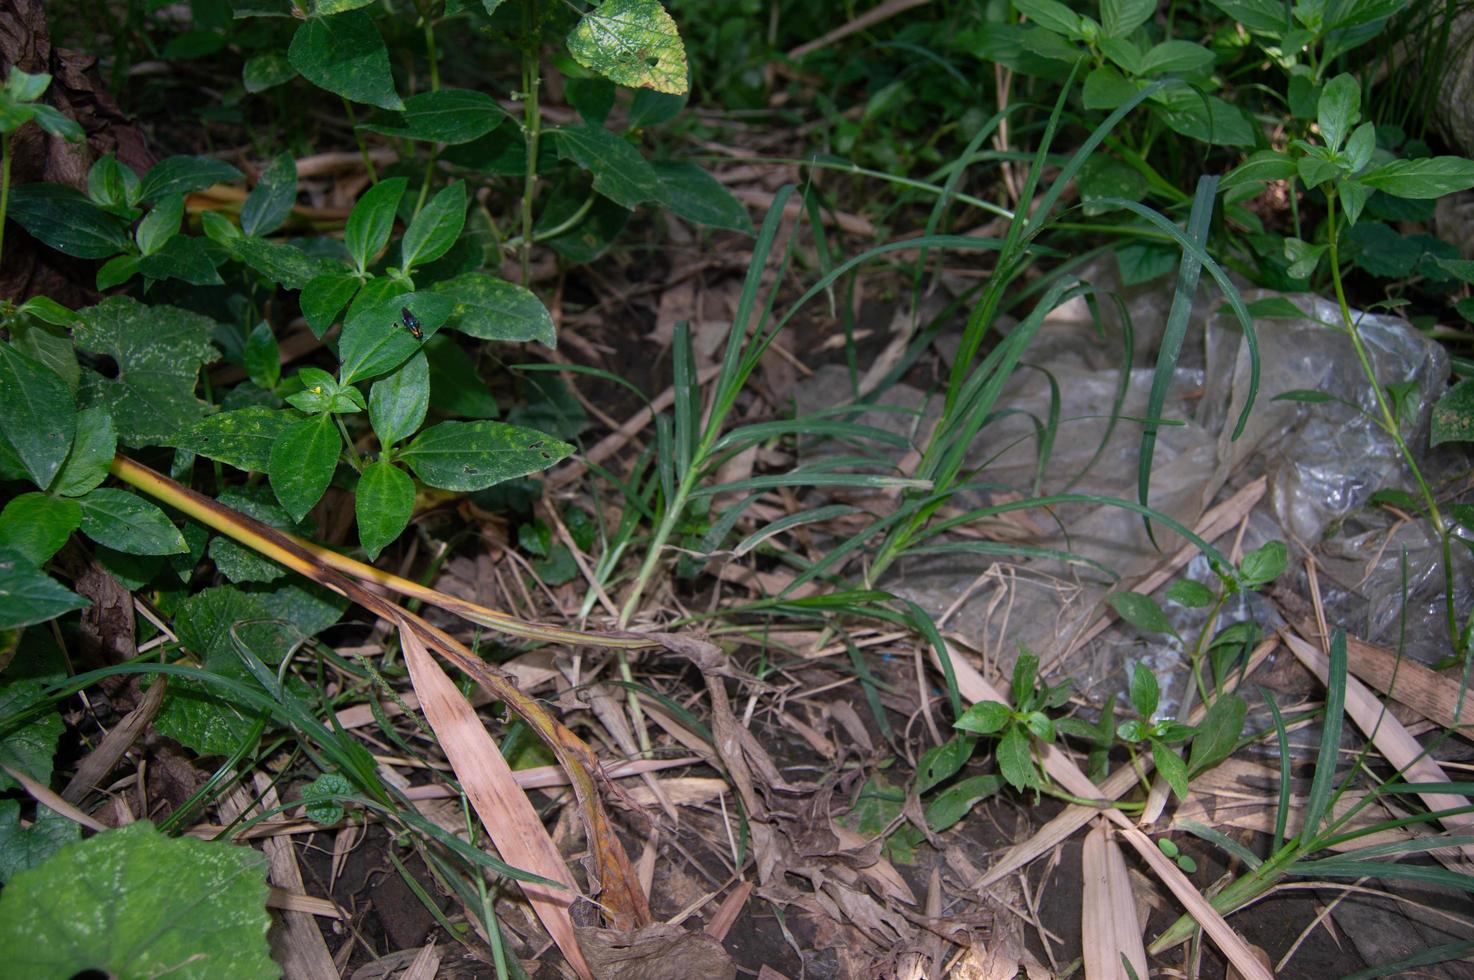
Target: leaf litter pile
(601, 746)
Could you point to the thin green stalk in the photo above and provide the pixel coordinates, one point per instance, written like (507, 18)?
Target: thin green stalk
(429, 172)
(531, 128)
(1390, 423)
(430, 53)
(353, 458)
(368, 161)
(4, 186)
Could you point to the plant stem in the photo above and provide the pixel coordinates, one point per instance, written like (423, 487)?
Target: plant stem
(4, 187)
(531, 128)
(1391, 425)
(353, 458)
(430, 54)
(368, 161)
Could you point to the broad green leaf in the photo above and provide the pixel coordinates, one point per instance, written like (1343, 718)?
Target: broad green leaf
(374, 340)
(1145, 694)
(1208, 118)
(455, 387)
(324, 297)
(1262, 165)
(271, 200)
(30, 595)
(957, 800)
(1453, 415)
(1140, 611)
(126, 522)
(48, 311)
(38, 415)
(1264, 564)
(326, 8)
(242, 438)
(632, 42)
(158, 351)
(397, 404)
(345, 55)
(1264, 16)
(1338, 110)
(1172, 768)
(185, 175)
(592, 97)
(620, 173)
(494, 309)
(651, 108)
(1190, 593)
(1120, 17)
(37, 525)
(55, 123)
(262, 357)
(435, 229)
(23, 86)
(234, 560)
(467, 456)
(65, 220)
(1124, 52)
(181, 257)
(1425, 179)
(321, 392)
(30, 748)
(133, 903)
(384, 503)
(689, 192)
(303, 460)
(286, 265)
(1275, 308)
(985, 718)
(1141, 262)
(1103, 176)
(111, 184)
(1015, 759)
(1176, 58)
(1360, 147)
(26, 847)
(1106, 88)
(449, 116)
(941, 762)
(160, 224)
(1051, 15)
(319, 796)
(372, 219)
(266, 71)
(1303, 257)
(1218, 734)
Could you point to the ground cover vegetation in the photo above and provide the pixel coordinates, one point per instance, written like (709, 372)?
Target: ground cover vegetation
(425, 545)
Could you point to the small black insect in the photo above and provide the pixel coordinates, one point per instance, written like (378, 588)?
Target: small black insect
(412, 323)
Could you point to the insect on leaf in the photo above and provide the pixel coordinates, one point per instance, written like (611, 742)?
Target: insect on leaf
(633, 43)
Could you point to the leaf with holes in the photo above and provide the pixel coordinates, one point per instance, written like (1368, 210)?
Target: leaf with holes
(940, 763)
(633, 43)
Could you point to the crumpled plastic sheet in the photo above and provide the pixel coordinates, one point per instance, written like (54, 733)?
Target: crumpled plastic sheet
(1323, 462)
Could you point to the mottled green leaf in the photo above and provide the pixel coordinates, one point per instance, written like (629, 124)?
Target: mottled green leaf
(183, 258)
(435, 229)
(469, 456)
(37, 525)
(345, 55)
(185, 175)
(265, 71)
(38, 416)
(374, 340)
(449, 116)
(126, 522)
(28, 595)
(384, 502)
(631, 42)
(26, 847)
(286, 265)
(324, 297)
(241, 438)
(398, 403)
(689, 192)
(303, 459)
(29, 748)
(494, 309)
(65, 220)
(620, 173)
(271, 200)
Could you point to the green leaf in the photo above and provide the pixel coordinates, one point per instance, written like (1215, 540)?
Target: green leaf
(493, 309)
(1172, 768)
(321, 392)
(158, 351)
(183, 258)
(270, 202)
(1176, 58)
(111, 184)
(160, 224)
(1275, 308)
(1143, 262)
(384, 503)
(1427, 178)
(28, 749)
(1106, 88)
(26, 847)
(689, 192)
(319, 798)
(185, 175)
(1218, 734)
(23, 86)
(651, 108)
(620, 173)
(1120, 17)
(1338, 110)
(631, 42)
(1264, 16)
(449, 116)
(36, 525)
(985, 718)
(126, 522)
(38, 416)
(55, 123)
(324, 297)
(435, 229)
(1102, 177)
(242, 438)
(1051, 15)
(29, 595)
(1190, 593)
(1262, 165)
(283, 264)
(134, 903)
(455, 387)
(1140, 611)
(374, 341)
(1263, 565)
(51, 312)
(262, 356)
(1125, 52)
(1015, 759)
(65, 220)
(325, 8)
(1145, 694)
(941, 762)
(1025, 671)
(303, 460)
(234, 560)
(397, 404)
(35, 334)
(372, 219)
(1303, 257)
(467, 456)
(265, 71)
(345, 55)
(1453, 415)
(957, 800)
(1206, 118)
